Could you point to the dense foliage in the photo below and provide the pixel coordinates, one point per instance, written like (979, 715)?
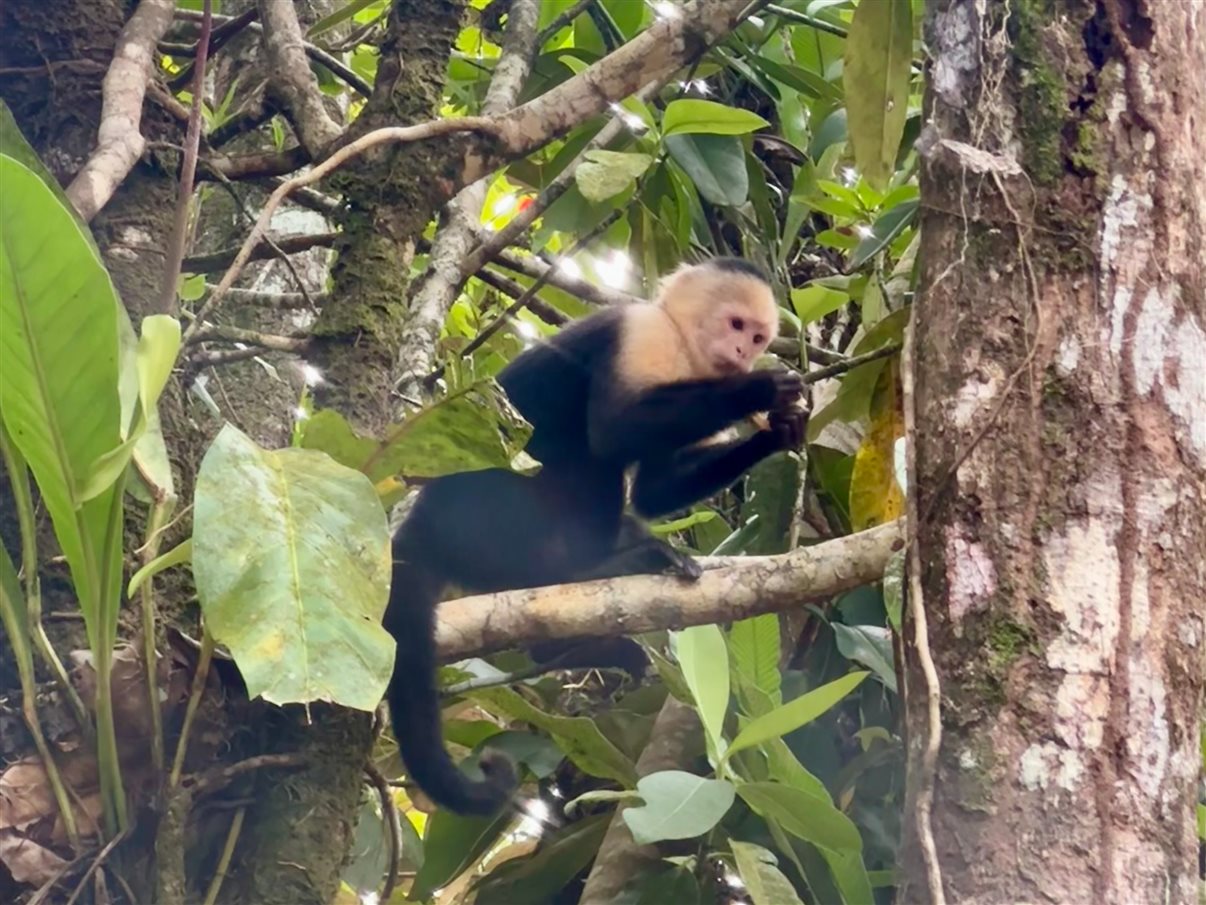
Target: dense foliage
(788, 143)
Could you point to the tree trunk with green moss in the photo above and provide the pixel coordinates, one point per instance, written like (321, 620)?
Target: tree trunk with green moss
(1059, 403)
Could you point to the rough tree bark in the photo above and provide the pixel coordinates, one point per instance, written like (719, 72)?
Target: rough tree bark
(1059, 359)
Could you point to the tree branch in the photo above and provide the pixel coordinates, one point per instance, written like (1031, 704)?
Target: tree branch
(675, 733)
(652, 56)
(493, 244)
(214, 261)
(737, 588)
(119, 140)
(445, 275)
(292, 78)
(188, 172)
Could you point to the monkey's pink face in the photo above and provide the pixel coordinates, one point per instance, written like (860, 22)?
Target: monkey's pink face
(735, 339)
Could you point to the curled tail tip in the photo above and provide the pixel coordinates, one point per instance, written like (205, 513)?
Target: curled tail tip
(500, 783)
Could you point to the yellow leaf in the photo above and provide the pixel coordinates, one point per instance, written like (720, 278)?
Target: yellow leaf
(875, 495)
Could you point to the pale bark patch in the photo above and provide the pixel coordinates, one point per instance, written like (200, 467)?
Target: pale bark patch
(970, 575)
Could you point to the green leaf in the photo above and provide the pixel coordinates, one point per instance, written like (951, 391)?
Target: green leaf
(562, 855)
(715, 165)
(870, 645)
(693, 116)
(14, 145)
(754, 645)
(704, 659)
(342, 14)
(894, 588)
(471, 429)
(191, 287)
(809, 817)
(879, 50)
(813, 302)
(451, 844)
(759, 871)
(292, 561)
(58, 381)
(795, 713)
(663, 884)
(178, 555)
(158, 347)
(678, 805)
(604, 174)
(578, 736)
(883, 231)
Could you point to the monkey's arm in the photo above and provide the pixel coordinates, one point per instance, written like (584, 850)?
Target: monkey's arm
(665, 484)
(630, 427)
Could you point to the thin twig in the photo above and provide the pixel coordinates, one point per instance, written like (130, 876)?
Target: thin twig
(232, 837)
(207, 44)
(96, 863)
(265, 248)
(849, 364)
(194, 699)
(510, 234)
(388, 135)
(208, 359)
(923, 816)
(280, 301)
(160, 510)
(225, 333)
(545, 312)
(563, 20)
(389, 813)
(530, 292)
(188, 169)
(317, 54)
(212, 780)
(281, 254)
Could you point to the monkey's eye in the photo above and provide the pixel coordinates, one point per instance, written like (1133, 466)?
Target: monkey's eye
(738, 324)
(758, 339)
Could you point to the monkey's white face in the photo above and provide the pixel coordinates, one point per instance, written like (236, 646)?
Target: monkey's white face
(734, 337)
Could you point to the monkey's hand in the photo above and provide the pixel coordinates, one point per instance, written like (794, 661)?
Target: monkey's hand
(789, 389)
(788, 425)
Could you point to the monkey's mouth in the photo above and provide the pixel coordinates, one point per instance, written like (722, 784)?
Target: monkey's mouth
(727, 367)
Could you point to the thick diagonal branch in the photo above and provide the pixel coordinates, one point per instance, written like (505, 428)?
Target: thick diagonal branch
(458, 235)
(737, 588)
(119, 139)
(292, 80)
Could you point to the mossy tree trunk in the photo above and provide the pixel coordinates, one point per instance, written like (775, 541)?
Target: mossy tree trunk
(1059, 403)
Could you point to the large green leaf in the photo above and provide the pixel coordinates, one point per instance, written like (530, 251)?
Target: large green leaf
(704, 659)
(604, 174)
(762, 877)
(540, 876)
(810, 817)
(292, 561)
(715, 164)
(58, 382)
(795, 713)
(451, 844)
(879, 50)
(471, 429)
(678, 805)
(814, 301)
(870, 645)
(886, 228)
(754, 646)
(578, 736)
(696, 116)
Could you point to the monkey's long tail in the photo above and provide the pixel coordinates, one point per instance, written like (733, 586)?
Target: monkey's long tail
(414, 703)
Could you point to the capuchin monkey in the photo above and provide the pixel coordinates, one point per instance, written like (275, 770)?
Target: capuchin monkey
(648, 386)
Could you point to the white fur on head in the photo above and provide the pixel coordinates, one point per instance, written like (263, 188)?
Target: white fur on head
(707, 302)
